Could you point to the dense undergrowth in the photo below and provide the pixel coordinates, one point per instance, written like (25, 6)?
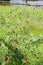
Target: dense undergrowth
(21, 35)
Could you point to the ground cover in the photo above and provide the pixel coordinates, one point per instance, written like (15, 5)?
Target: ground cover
(21, 35)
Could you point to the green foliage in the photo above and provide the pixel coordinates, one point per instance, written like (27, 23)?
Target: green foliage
(21, 35)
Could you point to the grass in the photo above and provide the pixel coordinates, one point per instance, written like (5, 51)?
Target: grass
(21, 35)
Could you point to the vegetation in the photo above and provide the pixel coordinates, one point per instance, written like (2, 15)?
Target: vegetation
(21, 35)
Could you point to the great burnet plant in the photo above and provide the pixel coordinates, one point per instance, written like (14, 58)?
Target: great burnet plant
(10, 54)
(21, 39)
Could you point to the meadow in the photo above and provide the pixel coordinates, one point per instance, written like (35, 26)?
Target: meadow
(21, 35)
